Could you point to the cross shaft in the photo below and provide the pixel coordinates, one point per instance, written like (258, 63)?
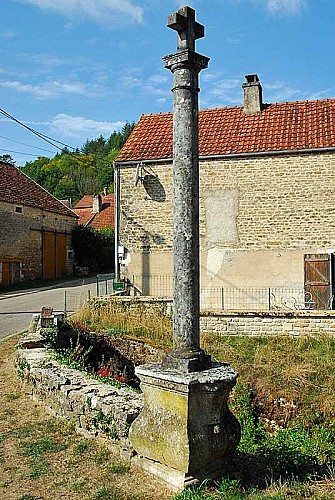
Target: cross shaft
(187, 28)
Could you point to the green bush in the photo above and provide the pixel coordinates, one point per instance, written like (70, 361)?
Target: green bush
(93, 249)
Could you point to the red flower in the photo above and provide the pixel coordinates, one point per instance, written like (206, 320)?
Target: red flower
(103, 372)
(119, 378)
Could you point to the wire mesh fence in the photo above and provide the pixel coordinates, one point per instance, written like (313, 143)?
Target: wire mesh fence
(224, 298)
(152, 285)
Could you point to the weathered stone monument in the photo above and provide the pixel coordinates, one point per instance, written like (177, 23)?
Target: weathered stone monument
(185, 431)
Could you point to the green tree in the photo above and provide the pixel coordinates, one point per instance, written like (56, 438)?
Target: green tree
(7, 159)
(93, 249)
(75, 174)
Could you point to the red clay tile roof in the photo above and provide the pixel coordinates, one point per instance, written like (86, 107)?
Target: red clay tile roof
(19, 189)
(85, 202)
(280, 127)
(105, 218)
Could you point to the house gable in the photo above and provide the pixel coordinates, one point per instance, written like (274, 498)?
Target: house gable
(17, 188)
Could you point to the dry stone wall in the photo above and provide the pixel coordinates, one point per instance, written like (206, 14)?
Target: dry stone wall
(94, 407)
(297, 323)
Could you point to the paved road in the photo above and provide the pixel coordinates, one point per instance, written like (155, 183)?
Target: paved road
(16, 310)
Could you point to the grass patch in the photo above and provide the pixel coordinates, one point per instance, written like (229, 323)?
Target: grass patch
(111, 492)
(295, 370)
(284, 400)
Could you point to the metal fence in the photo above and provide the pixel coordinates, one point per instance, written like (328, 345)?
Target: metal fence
(256, 299)
(223, 298)
(152, 285)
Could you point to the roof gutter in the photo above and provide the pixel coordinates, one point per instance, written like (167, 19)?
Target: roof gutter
(259, 154)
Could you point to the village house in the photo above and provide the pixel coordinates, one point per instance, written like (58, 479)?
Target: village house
(267, 195)
(35, 230)
(96, 211)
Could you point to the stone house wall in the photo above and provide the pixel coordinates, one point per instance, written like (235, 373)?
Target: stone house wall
(258, 217)
(21, 237)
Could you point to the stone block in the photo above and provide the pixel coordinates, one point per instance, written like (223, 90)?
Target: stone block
(186, 427)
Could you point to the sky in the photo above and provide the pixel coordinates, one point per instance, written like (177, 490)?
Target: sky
(77, 69)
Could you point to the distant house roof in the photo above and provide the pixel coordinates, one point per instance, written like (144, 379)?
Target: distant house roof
(100, 220)
(286, 126)
(16, 187)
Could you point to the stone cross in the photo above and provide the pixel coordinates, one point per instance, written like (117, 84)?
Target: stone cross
(188, 29)
(185, 432)
(185, 65)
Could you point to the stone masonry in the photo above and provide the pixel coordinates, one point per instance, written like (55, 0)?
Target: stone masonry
(95, 408)
(21, 236)
(258, 217)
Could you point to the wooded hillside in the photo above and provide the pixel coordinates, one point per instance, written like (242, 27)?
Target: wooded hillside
(86, 171)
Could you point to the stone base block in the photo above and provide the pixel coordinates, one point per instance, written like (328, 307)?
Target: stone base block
(185, 431)
(175, 479)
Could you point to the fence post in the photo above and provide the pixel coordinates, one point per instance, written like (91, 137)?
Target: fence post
(89, 294)
(222, 298)
(65, 305)
(269, 298)
(97, 286)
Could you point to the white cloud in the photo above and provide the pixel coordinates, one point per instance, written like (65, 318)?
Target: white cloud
(102, 11)
(81, 127)
(154, 85)
(285, 6)
(280, 92)
(53, 60)
(161, 100)
(227, 91)
(158, 79)
(50, 89)
(8, 34)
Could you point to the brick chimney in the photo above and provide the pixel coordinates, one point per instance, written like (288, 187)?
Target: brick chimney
(96, 206)
(253, 102)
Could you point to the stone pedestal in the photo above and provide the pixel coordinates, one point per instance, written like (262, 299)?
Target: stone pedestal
(186, 431)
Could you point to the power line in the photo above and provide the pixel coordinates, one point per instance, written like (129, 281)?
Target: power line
(18, 152)
(39, 134)
(24, 144)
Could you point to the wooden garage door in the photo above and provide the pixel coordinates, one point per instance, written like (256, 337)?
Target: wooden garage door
(54, 254)
(48, 255)
(6, 278)
(60, 255)
(318, 279)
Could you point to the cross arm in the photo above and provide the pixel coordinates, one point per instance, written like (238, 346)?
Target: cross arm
(187, 28)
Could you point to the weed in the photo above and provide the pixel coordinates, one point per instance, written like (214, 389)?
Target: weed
(80, 486)
(82, 447)
(230, 489)
(192, 493)
(41, 446)
(105, 423)
(23, 368)
(13, 397)
(101, 456)
(50, 335)
(110, 492)
(39, 467)
(118, 469)
(252, 432)
(27, 496)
